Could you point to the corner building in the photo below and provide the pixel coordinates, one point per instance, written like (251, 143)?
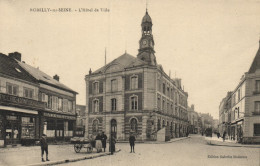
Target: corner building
(135, 94)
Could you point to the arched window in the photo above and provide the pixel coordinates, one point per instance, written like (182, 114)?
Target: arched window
(96, 105)
(133, 125)
(95, 127)
(133, 103)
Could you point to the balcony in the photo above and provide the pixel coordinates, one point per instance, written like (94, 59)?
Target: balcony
(11, 100)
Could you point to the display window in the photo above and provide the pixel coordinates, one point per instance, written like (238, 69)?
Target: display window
(28, 127)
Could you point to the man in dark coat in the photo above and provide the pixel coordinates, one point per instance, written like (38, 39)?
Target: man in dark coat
(224, 136)
(44, 147)
(132, 142)
(104, 141)
(112, 144)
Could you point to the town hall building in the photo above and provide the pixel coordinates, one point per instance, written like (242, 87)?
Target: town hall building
(134, 94)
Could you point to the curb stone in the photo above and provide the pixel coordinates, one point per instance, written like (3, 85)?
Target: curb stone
(72, 159)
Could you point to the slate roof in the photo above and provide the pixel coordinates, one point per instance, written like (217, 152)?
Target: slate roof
(10, 67)
(256, 62)
(41, 76)
(126, 60)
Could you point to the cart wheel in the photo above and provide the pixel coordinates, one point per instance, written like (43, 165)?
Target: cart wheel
(89, 149)
(77, 148)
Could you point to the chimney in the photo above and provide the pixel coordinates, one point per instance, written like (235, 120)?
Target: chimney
(16, 55)
(90, 71)
(56, 77)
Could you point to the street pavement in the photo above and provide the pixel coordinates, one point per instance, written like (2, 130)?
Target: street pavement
(179, 152)
(32, 155)
(187, 152)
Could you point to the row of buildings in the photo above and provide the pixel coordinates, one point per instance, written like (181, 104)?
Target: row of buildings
(199, 122)
(32, 103)
(134, 94)
(239, 111)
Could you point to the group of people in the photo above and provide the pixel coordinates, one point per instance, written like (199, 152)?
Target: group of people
(224, 135)
(100, 142)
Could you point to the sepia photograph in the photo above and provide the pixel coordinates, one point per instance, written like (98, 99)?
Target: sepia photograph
(130, 82)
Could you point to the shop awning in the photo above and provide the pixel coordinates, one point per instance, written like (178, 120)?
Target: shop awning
(18, 110)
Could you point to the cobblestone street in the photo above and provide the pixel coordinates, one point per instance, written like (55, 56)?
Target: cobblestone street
(192, 151)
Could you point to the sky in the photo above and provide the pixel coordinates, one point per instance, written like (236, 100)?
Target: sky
(208, 44)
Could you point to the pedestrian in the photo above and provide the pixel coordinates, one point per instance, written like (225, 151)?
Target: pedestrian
(218, 134)
(224, 136)
(104, 140)
(132, 142)
(112, 144)
(44, 147)
(98, 143)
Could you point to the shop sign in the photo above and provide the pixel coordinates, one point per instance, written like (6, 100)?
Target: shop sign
(21, 101)
(59, 116)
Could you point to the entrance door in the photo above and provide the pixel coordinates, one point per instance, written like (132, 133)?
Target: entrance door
(60, 129)
(114, 128)
(12, 132)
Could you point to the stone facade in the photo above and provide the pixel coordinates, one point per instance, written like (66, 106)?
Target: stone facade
(135, 95)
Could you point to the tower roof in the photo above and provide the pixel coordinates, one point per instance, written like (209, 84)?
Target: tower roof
(146, 18)
(256, 62)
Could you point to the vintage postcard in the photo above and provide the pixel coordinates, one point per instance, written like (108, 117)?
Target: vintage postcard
(130, 82)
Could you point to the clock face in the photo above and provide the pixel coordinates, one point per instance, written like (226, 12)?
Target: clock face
(144, 42)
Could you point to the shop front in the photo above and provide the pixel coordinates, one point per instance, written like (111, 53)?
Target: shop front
(19, 120)
(58, 127)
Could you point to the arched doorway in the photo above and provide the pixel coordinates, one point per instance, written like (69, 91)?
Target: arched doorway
(133, 125)
(114, 128)
(158, 124)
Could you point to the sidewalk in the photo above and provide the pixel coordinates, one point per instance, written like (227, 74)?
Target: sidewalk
(57, 154)
(156, 142)
(219, 142)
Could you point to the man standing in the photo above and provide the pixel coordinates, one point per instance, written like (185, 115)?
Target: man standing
(132, 142)
(224, 136)
(104, 140)
(44, 147)
(112, 144)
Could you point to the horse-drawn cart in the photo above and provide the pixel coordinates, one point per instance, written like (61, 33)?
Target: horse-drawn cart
(81, 142)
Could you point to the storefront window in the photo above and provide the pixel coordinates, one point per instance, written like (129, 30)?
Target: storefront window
(50, 128)
(28, 127)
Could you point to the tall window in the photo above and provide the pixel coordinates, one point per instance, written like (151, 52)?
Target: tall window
(134, 102)
(95, 126)
(134, 82)
(54, 103)
(60, 104)
(12, 89)
(70, 106)
(257, 129)
(257, 85)
(28, 93)
(114, 85)
(168, 91)
(96, 106)
(159, 103)
(133, 125)
(257, 106)
(96, 87)
(163, 105)
(163, 88)
(65, 105)
(113, 104)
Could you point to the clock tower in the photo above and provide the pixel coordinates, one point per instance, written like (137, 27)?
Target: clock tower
(146, 43)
